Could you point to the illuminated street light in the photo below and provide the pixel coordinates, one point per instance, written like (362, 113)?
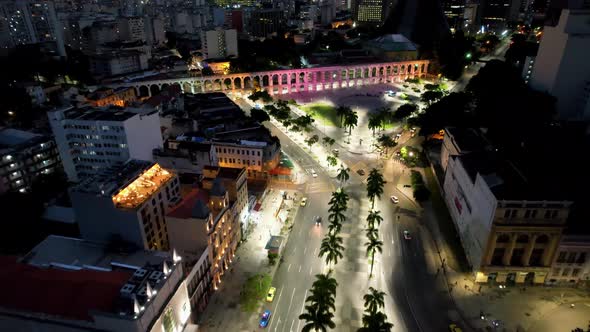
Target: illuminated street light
(468, 55)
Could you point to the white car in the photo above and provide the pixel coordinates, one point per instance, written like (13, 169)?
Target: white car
(304, 201)
(394, 199)
(407, 235)
(314, 174)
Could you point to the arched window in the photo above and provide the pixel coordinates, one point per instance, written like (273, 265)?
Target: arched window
(523, 238)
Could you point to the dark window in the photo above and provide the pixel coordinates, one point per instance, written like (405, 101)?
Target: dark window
(561, 257)
(571, 257)
(523, 238)
(497, 256)
(503, 238)
(507, 214)
(542, 239)
(527, 214)
(581, 258)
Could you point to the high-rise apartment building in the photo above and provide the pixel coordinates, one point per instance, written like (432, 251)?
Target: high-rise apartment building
(219, 43)
(454, 11)
(24, 156)
(264, 22)
(561, 67)
(128, 202)
(29, 22)
(371, 11)
(496, 14)
(132, 28)
(91, 139)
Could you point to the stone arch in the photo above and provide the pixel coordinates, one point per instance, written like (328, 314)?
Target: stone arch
(415, 68)
(522, 238)
(300, 77)
(177, 85)
(275, 79)
(165, 86)
(248, 84)
(365, 73)
(381, 71)
(143, 91)
(238, 83)
(265, 81)
(154, 89)
(402, 69)
(422, 68)
(207, 86)
(285, 79)
(227, 83)
(217, 84)
(395, 70)
(373, 71)
(256, 82)
(187, 87)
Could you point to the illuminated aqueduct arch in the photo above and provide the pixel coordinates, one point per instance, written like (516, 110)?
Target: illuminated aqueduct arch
(291, 80)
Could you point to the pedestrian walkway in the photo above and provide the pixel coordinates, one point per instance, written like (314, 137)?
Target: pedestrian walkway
(223, 312)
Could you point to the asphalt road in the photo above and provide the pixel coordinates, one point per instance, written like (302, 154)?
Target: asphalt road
(418, 302)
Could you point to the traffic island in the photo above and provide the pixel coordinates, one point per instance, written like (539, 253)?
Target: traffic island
(254, 291)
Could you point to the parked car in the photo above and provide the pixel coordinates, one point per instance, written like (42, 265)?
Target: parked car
(407, 235)
(304, 201)
(271, 294)
(361, 172)
(264, 319)
(394, 199)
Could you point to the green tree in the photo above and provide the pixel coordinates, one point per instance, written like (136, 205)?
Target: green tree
(374, 300)
(343, 175)
(372, 232)
(328, 141)
(319, 311)
(341, 112)
(350, 121)
(312, 140)
(332, 161)
(337, 206)
(374, 122)
(386, 142)
(331, 248)
(375, 183)
(373, 245)
(375, 322)
(373, 218)
(259, 115)
(207, 71)
(431, 96)
(404, 111)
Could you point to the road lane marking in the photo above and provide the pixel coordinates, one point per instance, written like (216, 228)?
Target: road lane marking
(291, 302)
(294, 250)
(291, 328)
(302, 305)
(276, 311)
(304, 250)
(299, 268)
(310, 270)
(314, 251)
(288, 268)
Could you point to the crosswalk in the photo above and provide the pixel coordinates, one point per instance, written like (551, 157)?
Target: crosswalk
(319, 187)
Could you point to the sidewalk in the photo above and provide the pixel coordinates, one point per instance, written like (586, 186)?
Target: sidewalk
(223, 312)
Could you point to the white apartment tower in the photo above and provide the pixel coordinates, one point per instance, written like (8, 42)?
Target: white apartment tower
(91, 139)
(219, 43)
(562, 68)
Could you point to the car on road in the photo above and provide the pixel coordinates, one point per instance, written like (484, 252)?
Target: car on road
(407, 235)
(454, 328)
(391, 93)
(314, 174)
(317, 220)
(407, 186)
(335, 151)
(264, 319)
(397, 137)
(304, 201)
(361, 172)
(271, 294)
(394, 199)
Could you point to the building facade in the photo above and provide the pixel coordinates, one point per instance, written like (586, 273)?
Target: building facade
(186, 157)
(561, 68)
(92, 139)
(80, 286)
(112, 97)
(128, 202)
(571, 265)
(371, 11)
(24, 157)
(264, 23)
(113, 63)
(219, 43)
(29, 22)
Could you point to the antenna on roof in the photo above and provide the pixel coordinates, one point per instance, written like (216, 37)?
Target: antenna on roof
(165, 269)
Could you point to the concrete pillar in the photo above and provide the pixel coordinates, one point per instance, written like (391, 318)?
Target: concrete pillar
(529, 250)
(491, 247)
(192, 88)
(550, 249)
(509, 249)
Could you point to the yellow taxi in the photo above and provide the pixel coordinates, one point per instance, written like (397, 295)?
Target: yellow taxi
(454, 328)
(271, 295)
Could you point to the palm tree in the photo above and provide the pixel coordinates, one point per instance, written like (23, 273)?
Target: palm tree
(375, 322)
(374, 122)
(374, 217)
(371, 232)
(332, 248)
(332, 161)
(338, 204)
(350, 121)
(316, 319)
(373, 245)
(340, 198)
(374, 300)
(321, 304)
(343, 175)
(341, 112)
(375, 185)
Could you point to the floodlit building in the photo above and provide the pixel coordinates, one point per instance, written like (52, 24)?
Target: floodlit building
(67, 284)
(116, 97)
(128, 202)
(510, 228)
(561, 67)
(394, 47)
(24, 156)
(371, 11)
(91, 139)
(186, 156)
(572, 262)
(219, 43)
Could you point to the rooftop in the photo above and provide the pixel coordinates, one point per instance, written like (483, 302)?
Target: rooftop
(467, 139)
(57, 292)
(393, 42)
(186, 208)
(110, 113)
(129, 185)
(11, 137)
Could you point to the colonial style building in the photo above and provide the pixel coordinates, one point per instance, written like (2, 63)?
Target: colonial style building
(572, 264)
